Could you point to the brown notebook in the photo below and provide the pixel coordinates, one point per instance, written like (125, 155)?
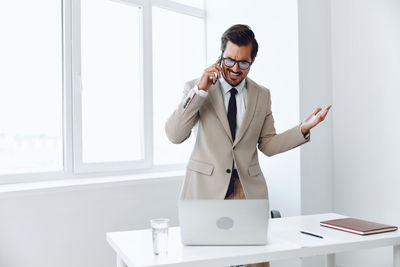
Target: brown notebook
(358, 226)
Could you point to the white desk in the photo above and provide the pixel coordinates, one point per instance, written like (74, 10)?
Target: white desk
(134, 248)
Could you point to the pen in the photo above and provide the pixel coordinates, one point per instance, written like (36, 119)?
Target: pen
(307, 233)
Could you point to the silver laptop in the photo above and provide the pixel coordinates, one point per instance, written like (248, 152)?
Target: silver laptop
(224, 222)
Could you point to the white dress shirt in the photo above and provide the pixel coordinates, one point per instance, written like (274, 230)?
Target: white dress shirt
(241, 99)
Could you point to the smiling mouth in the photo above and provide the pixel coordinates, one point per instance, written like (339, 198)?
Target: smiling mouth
(234, 74)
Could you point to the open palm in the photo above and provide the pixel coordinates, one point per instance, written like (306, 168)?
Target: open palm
(316, 117)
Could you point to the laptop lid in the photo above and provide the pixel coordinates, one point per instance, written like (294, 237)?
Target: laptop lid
(224, 222)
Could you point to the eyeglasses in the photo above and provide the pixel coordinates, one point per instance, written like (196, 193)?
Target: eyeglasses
(243, 64)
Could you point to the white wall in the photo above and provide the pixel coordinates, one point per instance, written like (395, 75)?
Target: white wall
(349, 56)
(366, 93)
(66, 227)
(316, 91)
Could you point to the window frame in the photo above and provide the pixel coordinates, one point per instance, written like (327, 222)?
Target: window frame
(145, 82)
(73, 165)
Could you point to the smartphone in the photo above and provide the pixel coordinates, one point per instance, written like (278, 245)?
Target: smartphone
(220, 64)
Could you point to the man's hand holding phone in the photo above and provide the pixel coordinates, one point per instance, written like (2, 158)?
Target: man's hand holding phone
(210, 76)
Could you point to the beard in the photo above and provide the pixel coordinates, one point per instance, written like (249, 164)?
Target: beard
(232, 77)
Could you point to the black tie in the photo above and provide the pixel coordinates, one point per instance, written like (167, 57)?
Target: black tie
(232, 110)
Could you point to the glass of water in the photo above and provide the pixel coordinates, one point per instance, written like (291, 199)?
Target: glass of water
(159, 229)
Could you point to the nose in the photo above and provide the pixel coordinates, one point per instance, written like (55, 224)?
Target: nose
(235, 67)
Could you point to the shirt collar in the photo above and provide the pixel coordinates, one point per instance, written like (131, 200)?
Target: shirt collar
(226, 86)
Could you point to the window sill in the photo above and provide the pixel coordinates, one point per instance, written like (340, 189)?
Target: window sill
(82, 183)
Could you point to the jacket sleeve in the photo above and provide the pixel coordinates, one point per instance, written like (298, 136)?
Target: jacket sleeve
(270, 143)
(179, 125)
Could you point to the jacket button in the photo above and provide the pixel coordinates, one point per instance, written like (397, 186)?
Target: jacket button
(228, 171)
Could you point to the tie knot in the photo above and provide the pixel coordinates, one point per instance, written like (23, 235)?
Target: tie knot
(233, 91)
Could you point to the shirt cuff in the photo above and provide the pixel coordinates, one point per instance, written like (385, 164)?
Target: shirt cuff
(201, 93)
(306, 135)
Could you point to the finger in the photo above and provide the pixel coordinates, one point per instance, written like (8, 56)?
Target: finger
(212, 67)
(326, 112)
(313, 114)
(321, 117)
(221, 71)
(317, 120)
(216, 75)
(212, 78)
(309, 117)
(209, 71)
(217, 62)
(317, 110)
(328, 107)
(217, 70)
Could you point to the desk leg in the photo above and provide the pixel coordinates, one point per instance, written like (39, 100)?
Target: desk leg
(120, 262)
(396, 256)
(330, 260)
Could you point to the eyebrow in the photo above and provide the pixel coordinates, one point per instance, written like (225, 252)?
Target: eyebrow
(238, 60)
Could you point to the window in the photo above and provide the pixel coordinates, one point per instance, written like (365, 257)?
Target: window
(177, 58)
(31, 86)
(88, 85)
(111, 82)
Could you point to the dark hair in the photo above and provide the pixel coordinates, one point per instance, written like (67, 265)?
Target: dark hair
(240, 34)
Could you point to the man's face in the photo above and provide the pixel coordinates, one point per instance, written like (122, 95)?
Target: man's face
(234, 75)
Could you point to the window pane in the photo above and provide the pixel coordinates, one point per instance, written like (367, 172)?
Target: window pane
(30, 86)
(193, 3)
(178, 56)
(111, 99)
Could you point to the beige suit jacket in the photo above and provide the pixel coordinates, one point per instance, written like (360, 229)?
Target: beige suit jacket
(209, 169)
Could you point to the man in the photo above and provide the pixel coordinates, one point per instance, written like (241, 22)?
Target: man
(234, 118)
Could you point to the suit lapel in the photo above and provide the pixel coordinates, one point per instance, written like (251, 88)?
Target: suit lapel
(252, 95)
(217, 102)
